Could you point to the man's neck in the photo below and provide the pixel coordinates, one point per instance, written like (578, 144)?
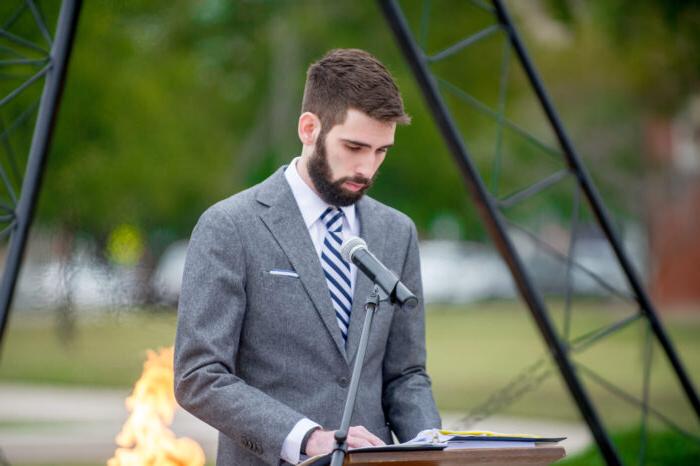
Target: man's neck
(304, 173)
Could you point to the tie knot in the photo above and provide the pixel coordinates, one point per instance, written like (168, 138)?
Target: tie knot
(332, 217)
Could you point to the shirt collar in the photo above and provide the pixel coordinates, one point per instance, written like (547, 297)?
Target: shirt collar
(310, 204)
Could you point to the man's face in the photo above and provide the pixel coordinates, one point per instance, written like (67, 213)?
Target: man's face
(346, 160)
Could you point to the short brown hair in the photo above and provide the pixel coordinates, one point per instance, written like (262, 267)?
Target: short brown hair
(351, 78)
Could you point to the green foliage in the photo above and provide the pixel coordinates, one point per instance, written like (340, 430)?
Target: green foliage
(171, 106)
(656, 42)
(138, 139)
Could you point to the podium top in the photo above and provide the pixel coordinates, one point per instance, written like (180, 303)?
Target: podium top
(532, 456)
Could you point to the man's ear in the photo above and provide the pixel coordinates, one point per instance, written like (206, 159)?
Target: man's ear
(309, 128)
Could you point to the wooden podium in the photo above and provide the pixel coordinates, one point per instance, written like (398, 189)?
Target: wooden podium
(531, 456)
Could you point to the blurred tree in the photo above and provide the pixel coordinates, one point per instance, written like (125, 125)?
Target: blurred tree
(173, 105)
(146, 130)
(657, 42)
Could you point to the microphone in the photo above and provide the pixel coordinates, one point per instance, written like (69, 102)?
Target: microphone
(355, 250)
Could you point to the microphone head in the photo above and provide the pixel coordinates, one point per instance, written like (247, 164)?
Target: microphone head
(351, 246)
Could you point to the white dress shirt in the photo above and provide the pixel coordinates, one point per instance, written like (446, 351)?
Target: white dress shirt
(311, 207)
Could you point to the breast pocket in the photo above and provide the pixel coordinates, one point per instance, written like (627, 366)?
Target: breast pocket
(275, 301)
(282, 289)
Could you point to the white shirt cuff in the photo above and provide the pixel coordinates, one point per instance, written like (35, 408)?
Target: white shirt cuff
(291, 448)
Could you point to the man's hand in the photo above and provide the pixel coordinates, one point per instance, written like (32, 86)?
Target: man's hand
(322, 441)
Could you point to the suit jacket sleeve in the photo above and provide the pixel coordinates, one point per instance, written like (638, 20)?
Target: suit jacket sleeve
(407, 396)
(210, 317)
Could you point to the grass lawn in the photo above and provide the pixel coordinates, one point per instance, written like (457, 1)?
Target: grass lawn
(108, 350)
(660, 449)
(472, 352)
(477, 350)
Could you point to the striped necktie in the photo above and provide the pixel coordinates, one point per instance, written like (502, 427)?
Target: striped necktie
(336, 269)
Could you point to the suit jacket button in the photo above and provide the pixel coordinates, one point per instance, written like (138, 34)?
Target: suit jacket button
(343, 382)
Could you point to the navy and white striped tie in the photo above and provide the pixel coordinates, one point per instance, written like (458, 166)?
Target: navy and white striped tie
(336, 269)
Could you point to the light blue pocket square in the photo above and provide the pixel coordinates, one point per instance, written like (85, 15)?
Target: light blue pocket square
(284, 273)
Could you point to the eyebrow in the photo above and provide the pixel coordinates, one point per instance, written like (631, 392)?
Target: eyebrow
(364, 144)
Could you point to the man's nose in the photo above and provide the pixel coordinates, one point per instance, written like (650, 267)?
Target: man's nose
(367, 166)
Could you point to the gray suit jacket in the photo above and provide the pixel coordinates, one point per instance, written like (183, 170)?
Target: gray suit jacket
(257, 352)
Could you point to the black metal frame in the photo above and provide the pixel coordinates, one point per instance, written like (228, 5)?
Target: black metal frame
(496, 224)
(596, 204)
(54, 70)
(23, 212)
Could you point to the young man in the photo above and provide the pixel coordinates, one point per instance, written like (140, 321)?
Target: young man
(270, 315)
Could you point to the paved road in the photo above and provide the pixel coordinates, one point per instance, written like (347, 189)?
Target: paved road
(78, 425)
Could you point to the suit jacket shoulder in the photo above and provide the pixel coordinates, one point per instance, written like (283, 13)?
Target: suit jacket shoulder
(391, 216)
(235, 207)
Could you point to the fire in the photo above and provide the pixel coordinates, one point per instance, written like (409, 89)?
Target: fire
(145, 438)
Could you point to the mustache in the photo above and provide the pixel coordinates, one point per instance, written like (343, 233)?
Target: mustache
(366, 182)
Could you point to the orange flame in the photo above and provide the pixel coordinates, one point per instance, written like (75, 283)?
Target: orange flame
(145, 438)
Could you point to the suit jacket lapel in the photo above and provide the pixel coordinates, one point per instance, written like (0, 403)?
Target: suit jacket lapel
(286, 224)
(373, 231)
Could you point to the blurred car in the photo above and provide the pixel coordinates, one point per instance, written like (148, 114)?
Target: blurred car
(456, 272)
(167, 278)
(83, 282)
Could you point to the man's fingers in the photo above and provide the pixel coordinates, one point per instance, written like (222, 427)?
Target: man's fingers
(362, 434)
(357, 442)
(373, 439)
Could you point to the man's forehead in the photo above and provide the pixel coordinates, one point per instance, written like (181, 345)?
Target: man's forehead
(360, 128)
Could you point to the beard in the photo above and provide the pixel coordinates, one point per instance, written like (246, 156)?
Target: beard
(332, 191)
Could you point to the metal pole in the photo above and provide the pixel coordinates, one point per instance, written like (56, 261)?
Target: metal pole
(341, 435)
(597, 206)
(495, 225)
(45, 123)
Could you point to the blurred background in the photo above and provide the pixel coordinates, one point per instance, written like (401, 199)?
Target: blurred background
(170, 106)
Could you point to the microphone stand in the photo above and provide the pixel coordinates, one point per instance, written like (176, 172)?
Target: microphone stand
(341, 435)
